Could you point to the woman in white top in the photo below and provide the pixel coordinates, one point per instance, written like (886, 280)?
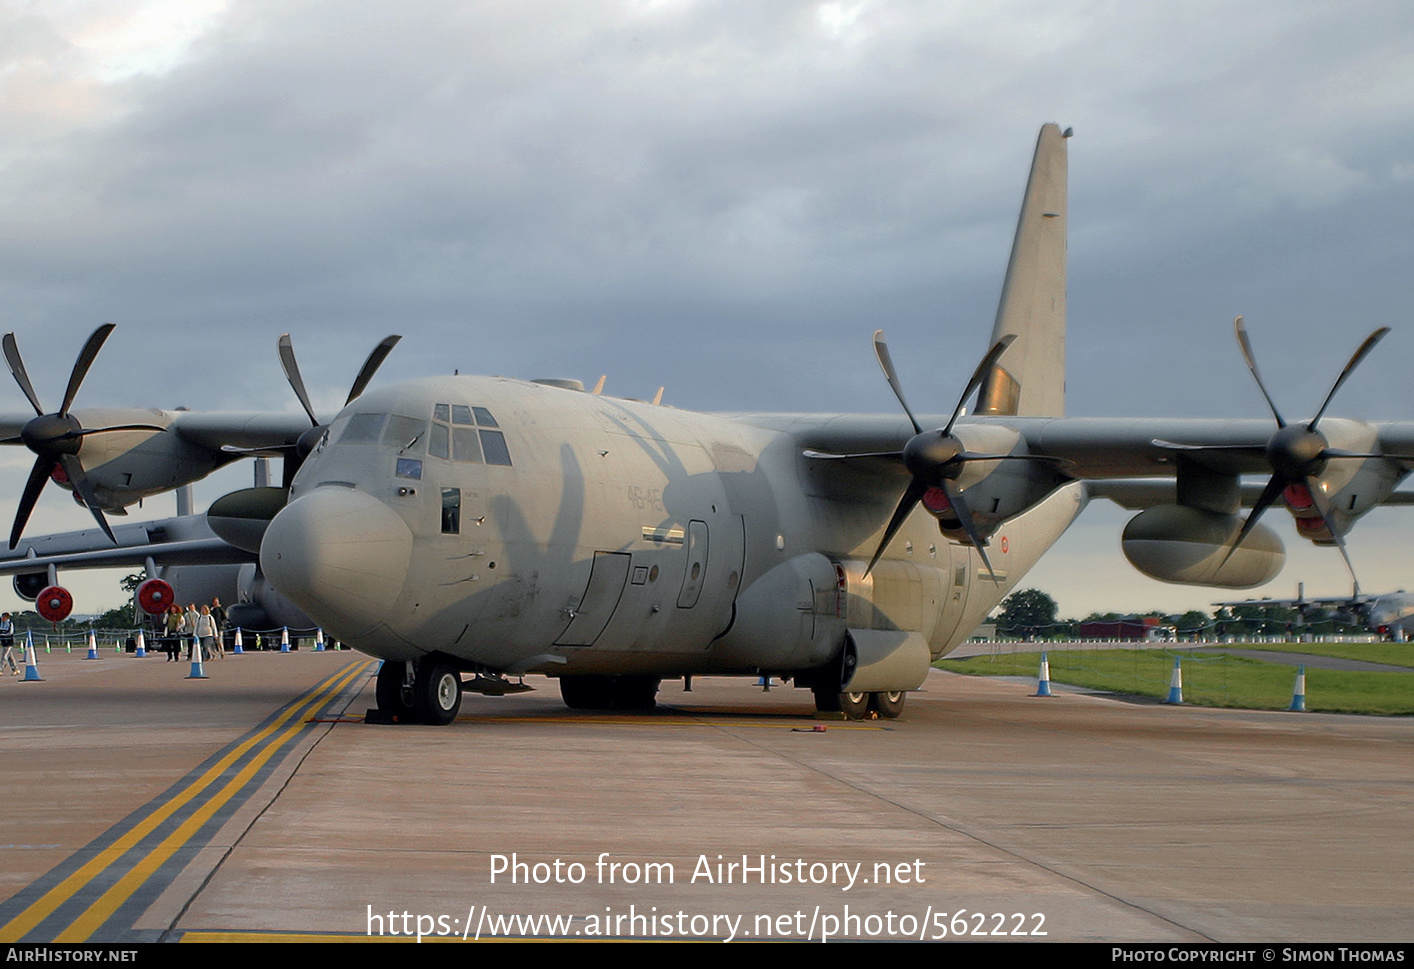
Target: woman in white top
(206, 632)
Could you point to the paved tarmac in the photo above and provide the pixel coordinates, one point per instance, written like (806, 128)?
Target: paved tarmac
(145, 806)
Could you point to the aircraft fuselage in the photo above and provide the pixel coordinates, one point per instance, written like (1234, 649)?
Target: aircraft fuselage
(521, 527)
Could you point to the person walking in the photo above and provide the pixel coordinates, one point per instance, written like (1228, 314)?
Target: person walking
(7, 642)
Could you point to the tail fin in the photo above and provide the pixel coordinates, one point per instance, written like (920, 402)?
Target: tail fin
(1030, 380)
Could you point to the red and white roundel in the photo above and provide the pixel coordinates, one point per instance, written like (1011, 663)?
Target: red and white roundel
(55, 603)
(1005, 546)
(155, 597)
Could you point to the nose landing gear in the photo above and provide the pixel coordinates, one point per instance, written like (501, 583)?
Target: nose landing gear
(427, 691)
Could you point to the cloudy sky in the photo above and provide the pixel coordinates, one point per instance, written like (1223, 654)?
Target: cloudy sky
(724, 198)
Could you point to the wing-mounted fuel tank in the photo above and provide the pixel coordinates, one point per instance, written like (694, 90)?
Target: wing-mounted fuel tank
(810, 611)
(1191, 546)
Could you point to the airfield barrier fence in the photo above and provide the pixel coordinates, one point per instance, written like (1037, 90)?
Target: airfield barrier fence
(47, 638)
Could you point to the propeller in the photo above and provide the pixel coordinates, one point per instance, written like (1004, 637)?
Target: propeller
(57, 438)
(935, 458)
(1298, 453)
(310, 438)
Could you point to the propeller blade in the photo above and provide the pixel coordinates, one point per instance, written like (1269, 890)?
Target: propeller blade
(287, 360)
(964, 516)
(978, 375)
(1252, 366)
(370, 367)
(38, 475)
(1360, 354)
(823, 455)
(119, 427)
(1269, 495)
(911, 496)
(1335, 452)
(1172, 446)
(84, 489)
(84, 361)
(881, 351)
(17, 368)
(1043, 458)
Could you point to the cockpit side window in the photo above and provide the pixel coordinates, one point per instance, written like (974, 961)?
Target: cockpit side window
(494, 444)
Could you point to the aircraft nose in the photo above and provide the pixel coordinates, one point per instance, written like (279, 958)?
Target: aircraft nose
(341, 556)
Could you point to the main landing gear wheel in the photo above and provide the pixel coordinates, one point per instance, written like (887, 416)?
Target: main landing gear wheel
(854, 705)
(395, 698)
(887, 705)
(437, 692)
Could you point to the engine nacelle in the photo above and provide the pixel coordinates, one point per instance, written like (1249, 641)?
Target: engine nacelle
(55, 603)
(1175, 543)
(155, 597)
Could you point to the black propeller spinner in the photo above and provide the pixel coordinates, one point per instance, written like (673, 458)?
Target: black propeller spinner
(935, 459)
(56, 438)
(1298, 453)
(310, 438)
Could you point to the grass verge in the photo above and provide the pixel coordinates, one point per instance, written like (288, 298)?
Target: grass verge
(1208, 680)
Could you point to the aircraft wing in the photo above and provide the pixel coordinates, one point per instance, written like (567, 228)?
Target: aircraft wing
(1136, 494)
(187, 540)
(219, 430)
(1293, 603)
(1090, 448)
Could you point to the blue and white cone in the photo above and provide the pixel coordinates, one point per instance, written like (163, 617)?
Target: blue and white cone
(1176, 683)
(92, 646)
(31, 664)
(198, 672)
(284, 639)
(1298, 695)
(237, 647)
(1043, 679)
(141, 651)
(319, 640)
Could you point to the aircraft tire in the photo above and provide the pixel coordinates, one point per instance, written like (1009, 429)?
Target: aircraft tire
(437, 692)
(638, 692)
(855, 706)
(583, 692)
(392, 698)
(826, 700)
(888, 705)
(609, 692)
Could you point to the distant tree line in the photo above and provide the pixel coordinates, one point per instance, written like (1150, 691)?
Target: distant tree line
(1031, 614)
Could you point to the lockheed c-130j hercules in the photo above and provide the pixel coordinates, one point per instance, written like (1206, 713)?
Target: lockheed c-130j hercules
(490, 526)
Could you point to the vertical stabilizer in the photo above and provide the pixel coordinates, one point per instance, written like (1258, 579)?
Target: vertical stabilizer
(1029, 380)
